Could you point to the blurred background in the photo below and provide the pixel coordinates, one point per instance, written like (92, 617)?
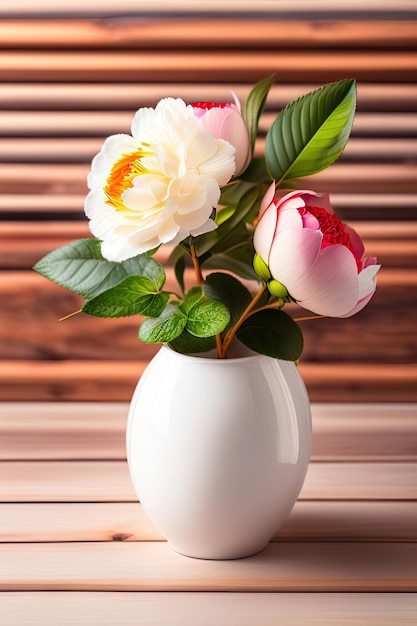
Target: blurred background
(73, 72)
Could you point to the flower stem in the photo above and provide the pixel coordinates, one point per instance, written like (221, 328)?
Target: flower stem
(309, 317)
(232, 332)
(61, 319)
(219, 346)
(196, 264)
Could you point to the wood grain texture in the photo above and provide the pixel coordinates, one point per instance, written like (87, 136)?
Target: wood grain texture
(220, 8)
(205, 33)
(321, 520)
(101, 96)
(209, 609)
(133, 66)
(143, 566)
(109, 481)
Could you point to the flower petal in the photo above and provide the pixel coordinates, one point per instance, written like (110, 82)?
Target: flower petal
(265, 232)
(367, 287)
(292, 255)
(332, 286)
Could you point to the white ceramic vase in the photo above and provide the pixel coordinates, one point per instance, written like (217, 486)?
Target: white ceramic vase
(218, 450)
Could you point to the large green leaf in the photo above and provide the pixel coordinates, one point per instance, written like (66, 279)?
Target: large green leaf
(190, 344)
(194, 295)
(232, 261)
(133, 296)
(274, 333)
(207, 318)
(80, 267)
(230, 291)
(164, 328)
(255, 104)
(311, 132)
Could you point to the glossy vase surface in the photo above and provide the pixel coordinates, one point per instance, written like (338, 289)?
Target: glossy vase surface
(218, 450)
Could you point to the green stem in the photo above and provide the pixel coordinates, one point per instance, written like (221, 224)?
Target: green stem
(232, 332)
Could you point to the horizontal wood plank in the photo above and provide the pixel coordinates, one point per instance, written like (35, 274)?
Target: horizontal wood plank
(143, 566)
(109, 481)
(119, 65)
(205, 33)
(216, 7)
(209, 609)
(102, 96)
(73, 431)
(309, 521)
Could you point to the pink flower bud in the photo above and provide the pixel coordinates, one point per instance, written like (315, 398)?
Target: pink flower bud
(224, 121)
(313, 254)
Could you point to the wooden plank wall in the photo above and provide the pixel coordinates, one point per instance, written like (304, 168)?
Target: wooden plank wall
(68, 81)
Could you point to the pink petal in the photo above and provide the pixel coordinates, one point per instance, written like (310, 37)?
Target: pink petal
(359, 305)
(267, 199)
(356, 242)
(265, 231)
(321, 201)
(367, 286)
(289, 218)
(332, 286)
(293, 254)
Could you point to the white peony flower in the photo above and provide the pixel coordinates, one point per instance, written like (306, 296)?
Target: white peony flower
(159, 184)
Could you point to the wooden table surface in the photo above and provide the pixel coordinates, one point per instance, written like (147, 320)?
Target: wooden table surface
(76, 548)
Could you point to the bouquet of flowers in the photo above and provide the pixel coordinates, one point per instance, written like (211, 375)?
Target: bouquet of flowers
(186, 177)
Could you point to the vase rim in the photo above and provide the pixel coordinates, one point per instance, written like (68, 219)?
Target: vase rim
(251, 356)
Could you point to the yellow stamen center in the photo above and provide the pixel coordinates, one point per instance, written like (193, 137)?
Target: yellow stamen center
(121, 176)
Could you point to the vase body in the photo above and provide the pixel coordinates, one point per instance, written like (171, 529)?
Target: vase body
(218, 450)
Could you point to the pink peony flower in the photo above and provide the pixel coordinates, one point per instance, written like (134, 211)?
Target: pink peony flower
(319, 260)
(224, 121)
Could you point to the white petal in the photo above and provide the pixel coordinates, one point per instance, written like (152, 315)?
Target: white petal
(207, 227)
(367, 280)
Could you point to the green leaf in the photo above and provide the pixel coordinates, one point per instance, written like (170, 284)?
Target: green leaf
(192, 297)
(257, 172)
(164, 328)
(80, 267)
(274, 333)
(179, 272)
(230, 291)
(311, 132)
(207, 318)
(135, 295)
(190, 344)
(228, 261)
(255, 104)
(204, 243)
